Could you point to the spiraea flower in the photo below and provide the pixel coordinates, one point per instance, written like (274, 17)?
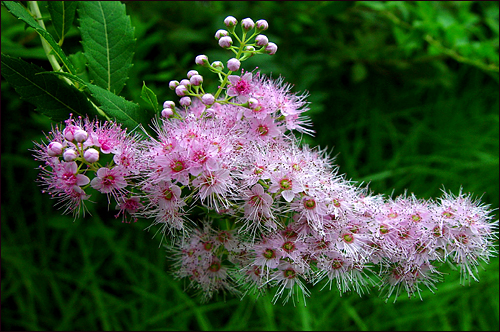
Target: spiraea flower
(244, 206)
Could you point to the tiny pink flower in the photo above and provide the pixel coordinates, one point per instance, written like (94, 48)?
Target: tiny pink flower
(240, 86)
(109, 180)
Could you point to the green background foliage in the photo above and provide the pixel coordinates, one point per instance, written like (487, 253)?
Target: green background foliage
(404, 94)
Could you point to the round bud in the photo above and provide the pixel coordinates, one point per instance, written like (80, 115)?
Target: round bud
(249, 49)
(69, 132)
(167, 112)
(191, 73)
(201, 60)
(81, 135)
(169, 104)
(218, 65)
(54, 149)
(185, 101)
(253, 103)
(208, 99)
(247, 24)
(173, 84)
(233, 64)
(185, 82)
(221, 33)
(196, 80)
(261, 40)
(271, 48)
(69, 155)
(91, 155)
(262, 25)
(180, 90)
(230, 21)
(225, 42)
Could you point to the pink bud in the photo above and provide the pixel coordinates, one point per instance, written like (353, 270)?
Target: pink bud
(233, 64)
(208, 99)
(167, 112)
(253, 103)
(261, 40)
(271, 48)
(180, 90)
(173, 84)
(81, 135)
(262, 25)
(249, 49)
(191, 73)
(169, 104)
(91, 155)
(218, 65)
(225, 42)
(230, 21)
(54, 149)
(220, 33)
(201, 60)
(69, 132)
(247, 24)
(185, 82)
(69, 155)
(196, 80)
(185, 101)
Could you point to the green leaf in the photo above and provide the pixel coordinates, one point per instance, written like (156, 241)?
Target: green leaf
(52, 96)
(22, 13)
(108, 42)
(124, 111)
(63, 15)
(149, 97)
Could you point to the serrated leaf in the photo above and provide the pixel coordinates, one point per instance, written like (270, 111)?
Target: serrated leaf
(124, 111)
(63, 15)
(108, 42)
(22, 13)
(149, 97)
(52, 96)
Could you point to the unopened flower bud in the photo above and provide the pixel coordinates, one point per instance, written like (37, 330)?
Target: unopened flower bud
(249, 49)
(185, 101)
(169, 104)
(91, 155)
(173, 84)
(201, 60)
(69, 155)
(167, 112)
(253, 103)
(80, 136)
(191, 73)
(247, 24)
(54, 149)
(233, 64)
(261, 25)
(69, 132)
(218, 65)
(180, 90)
(271, 48)
(185, 82)
(261, 40)
(208, 99)
(225, 42)
(221, 33)
(230, 21)
(196, 80)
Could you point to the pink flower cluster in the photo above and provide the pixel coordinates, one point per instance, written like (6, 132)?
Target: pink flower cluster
(246, 207)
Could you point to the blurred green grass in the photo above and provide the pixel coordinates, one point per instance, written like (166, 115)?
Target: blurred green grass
(407, 126)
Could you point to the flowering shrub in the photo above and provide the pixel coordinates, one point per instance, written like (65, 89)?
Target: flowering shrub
(241, 204)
